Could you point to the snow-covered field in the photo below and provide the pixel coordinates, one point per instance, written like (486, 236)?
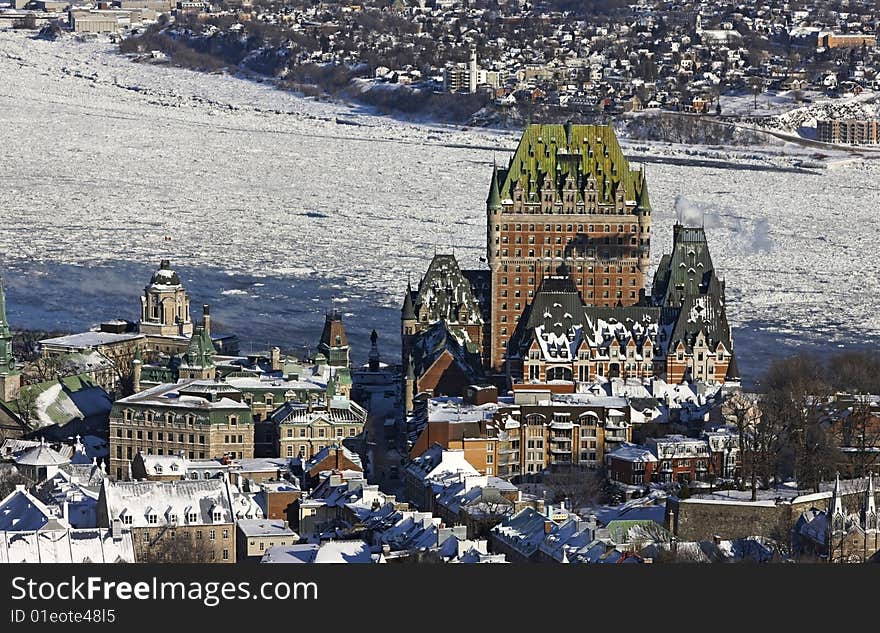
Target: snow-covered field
(275, 209)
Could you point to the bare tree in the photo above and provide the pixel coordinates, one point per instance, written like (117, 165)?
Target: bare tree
(859, 432)
(171, 546)
(581, 487)
(46, 368)
(24, 404)
(9, 479)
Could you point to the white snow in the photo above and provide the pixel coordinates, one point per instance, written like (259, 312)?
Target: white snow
(105, 158)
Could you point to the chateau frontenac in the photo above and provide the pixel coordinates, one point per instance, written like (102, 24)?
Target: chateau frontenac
(565, 296)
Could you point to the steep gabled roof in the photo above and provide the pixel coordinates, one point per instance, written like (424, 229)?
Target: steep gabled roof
(688, 270)
(555, 314)
(430, 344)
(445, 293)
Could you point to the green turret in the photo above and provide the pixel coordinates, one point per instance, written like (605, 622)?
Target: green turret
(198, 361)
(7, 360)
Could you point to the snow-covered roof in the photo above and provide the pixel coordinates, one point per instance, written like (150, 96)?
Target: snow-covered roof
(86, 340)
(437, 462)
(328, 552)
(169, 395)
(90, 545)
(633, 453)
(265, 527)
(41, 455)
(21, 511)
(169, 502)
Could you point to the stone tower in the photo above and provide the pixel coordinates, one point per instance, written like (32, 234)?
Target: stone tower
(165, 305)
(10, 378)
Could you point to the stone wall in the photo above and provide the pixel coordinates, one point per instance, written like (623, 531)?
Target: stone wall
(698, 519)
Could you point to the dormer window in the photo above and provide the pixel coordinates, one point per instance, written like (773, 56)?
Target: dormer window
(216, 516)
(152, 517)
(158, 469)
(172, 516)
(125, 517)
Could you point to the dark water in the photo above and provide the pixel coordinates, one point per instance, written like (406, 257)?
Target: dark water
(289, 311)
(284, 311)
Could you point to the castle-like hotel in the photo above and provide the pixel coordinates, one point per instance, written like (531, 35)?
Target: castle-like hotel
(564, 300)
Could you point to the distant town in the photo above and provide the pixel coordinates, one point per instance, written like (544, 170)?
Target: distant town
(552, 405)
(506, 63)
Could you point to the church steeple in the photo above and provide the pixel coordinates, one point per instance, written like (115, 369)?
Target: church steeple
(869, 511)
(836, 511)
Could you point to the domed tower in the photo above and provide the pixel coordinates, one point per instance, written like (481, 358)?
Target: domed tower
(165, 305)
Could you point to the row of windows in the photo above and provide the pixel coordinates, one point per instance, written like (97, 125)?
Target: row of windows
(559, 254)
(591, 228)
(580, 239)
(606, 269)
(169, 418)
(352, 431)
(160, 436)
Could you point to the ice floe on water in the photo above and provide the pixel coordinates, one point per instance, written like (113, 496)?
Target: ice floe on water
(110, 166)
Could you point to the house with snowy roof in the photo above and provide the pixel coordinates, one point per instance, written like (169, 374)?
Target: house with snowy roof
(21, 511)
(336, 457)
(203, 418)
(174, 520)
(255, 536)
(325, 552)
(476, 502)
(89, 545)
(428, 473)
(40, 462)
(303, 430)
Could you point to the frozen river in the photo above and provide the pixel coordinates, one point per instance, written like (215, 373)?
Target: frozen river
(275, 208)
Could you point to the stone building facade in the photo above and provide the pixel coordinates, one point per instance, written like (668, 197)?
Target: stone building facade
(203, 419)
(303, 430)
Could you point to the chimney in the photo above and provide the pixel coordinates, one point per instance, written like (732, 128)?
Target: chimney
(206, 319)
(548, 526)
(116, 529)
(65, 511)
(136, 374)
(275, 358)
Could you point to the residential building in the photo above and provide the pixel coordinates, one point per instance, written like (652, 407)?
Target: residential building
(256, 536)
(848, 131)
(180, 521)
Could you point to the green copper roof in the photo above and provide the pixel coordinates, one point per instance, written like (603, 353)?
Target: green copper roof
(7, 361)
(582, 152)
(201, 349)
